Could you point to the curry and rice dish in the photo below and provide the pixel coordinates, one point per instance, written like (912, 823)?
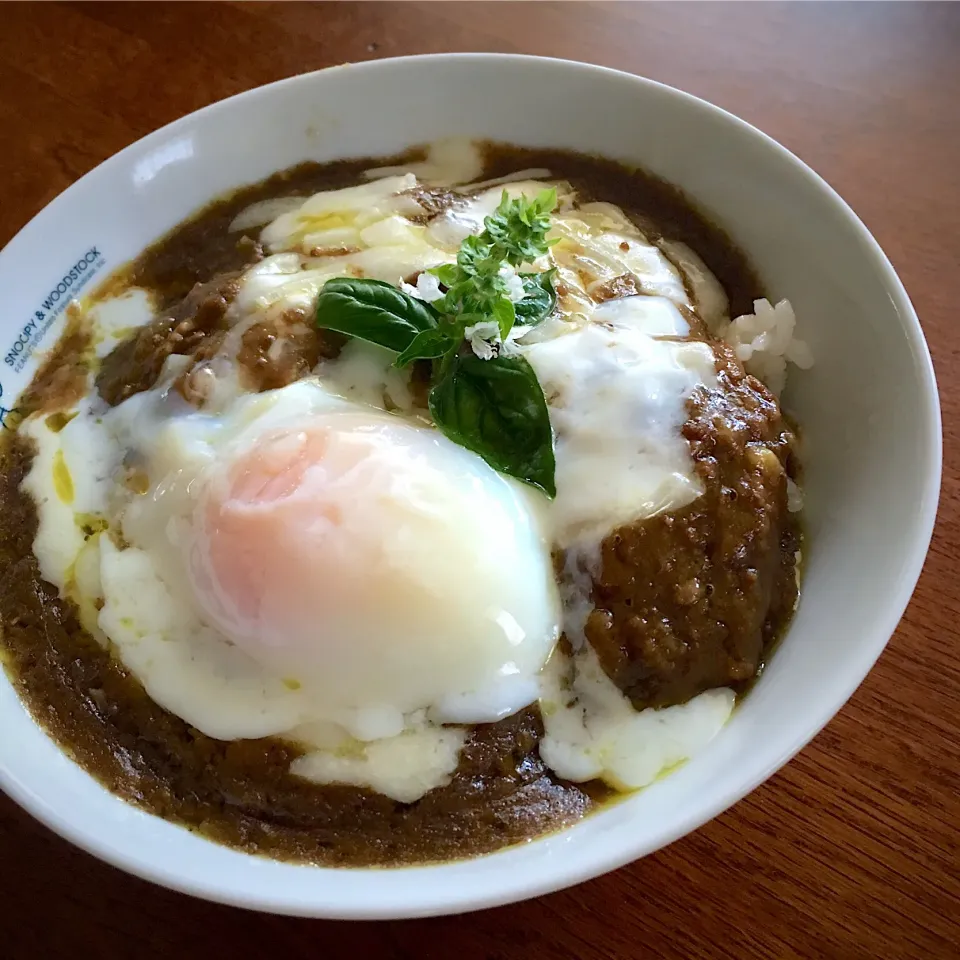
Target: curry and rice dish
(394, 511)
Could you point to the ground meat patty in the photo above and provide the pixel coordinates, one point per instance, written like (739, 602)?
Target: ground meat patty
(272, 353)
(687, 601)
(135, 364)
(434, 200)
(625, 285)
(276, 353)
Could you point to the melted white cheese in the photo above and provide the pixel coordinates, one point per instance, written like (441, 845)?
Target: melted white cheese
(709, 297)
(70, 480)
(114, 319)
(617, 399)
(365, 373)
(334, 219)
(403, 767)
(592, 731)
(459, 221)
(450, 161)
(596, 247)
(652, 316)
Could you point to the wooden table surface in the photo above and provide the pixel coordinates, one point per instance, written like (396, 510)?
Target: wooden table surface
(852, 850)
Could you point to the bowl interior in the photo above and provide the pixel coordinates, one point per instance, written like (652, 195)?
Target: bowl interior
(868, 411)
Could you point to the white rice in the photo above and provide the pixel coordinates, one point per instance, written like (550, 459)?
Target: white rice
(764, 342)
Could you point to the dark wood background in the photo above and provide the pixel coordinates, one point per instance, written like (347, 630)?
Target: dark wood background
(852, 850)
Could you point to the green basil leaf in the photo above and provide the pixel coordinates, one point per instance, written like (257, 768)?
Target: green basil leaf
(540, 298)
(505, 315)
(446, 273)
(497, 409)
(374, 311)
(427, 345)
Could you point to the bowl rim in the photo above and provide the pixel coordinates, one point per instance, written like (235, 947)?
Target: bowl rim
(510, 890)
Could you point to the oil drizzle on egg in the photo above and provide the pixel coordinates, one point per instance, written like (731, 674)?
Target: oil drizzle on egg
(62, 481)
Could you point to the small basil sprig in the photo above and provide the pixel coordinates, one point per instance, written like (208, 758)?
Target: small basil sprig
(476, 288)
(494, 407)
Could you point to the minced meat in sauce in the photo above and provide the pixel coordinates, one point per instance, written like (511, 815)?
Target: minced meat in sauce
(689, 600)
(683, 602)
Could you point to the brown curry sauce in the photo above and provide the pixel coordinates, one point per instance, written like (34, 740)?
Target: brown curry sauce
(684, 601)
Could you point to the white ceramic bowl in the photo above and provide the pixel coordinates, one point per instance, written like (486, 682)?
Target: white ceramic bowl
(868, 408)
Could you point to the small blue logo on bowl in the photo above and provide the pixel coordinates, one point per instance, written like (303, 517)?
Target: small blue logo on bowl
(34, 330)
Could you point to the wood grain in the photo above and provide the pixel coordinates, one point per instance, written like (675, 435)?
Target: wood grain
(852, 850)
